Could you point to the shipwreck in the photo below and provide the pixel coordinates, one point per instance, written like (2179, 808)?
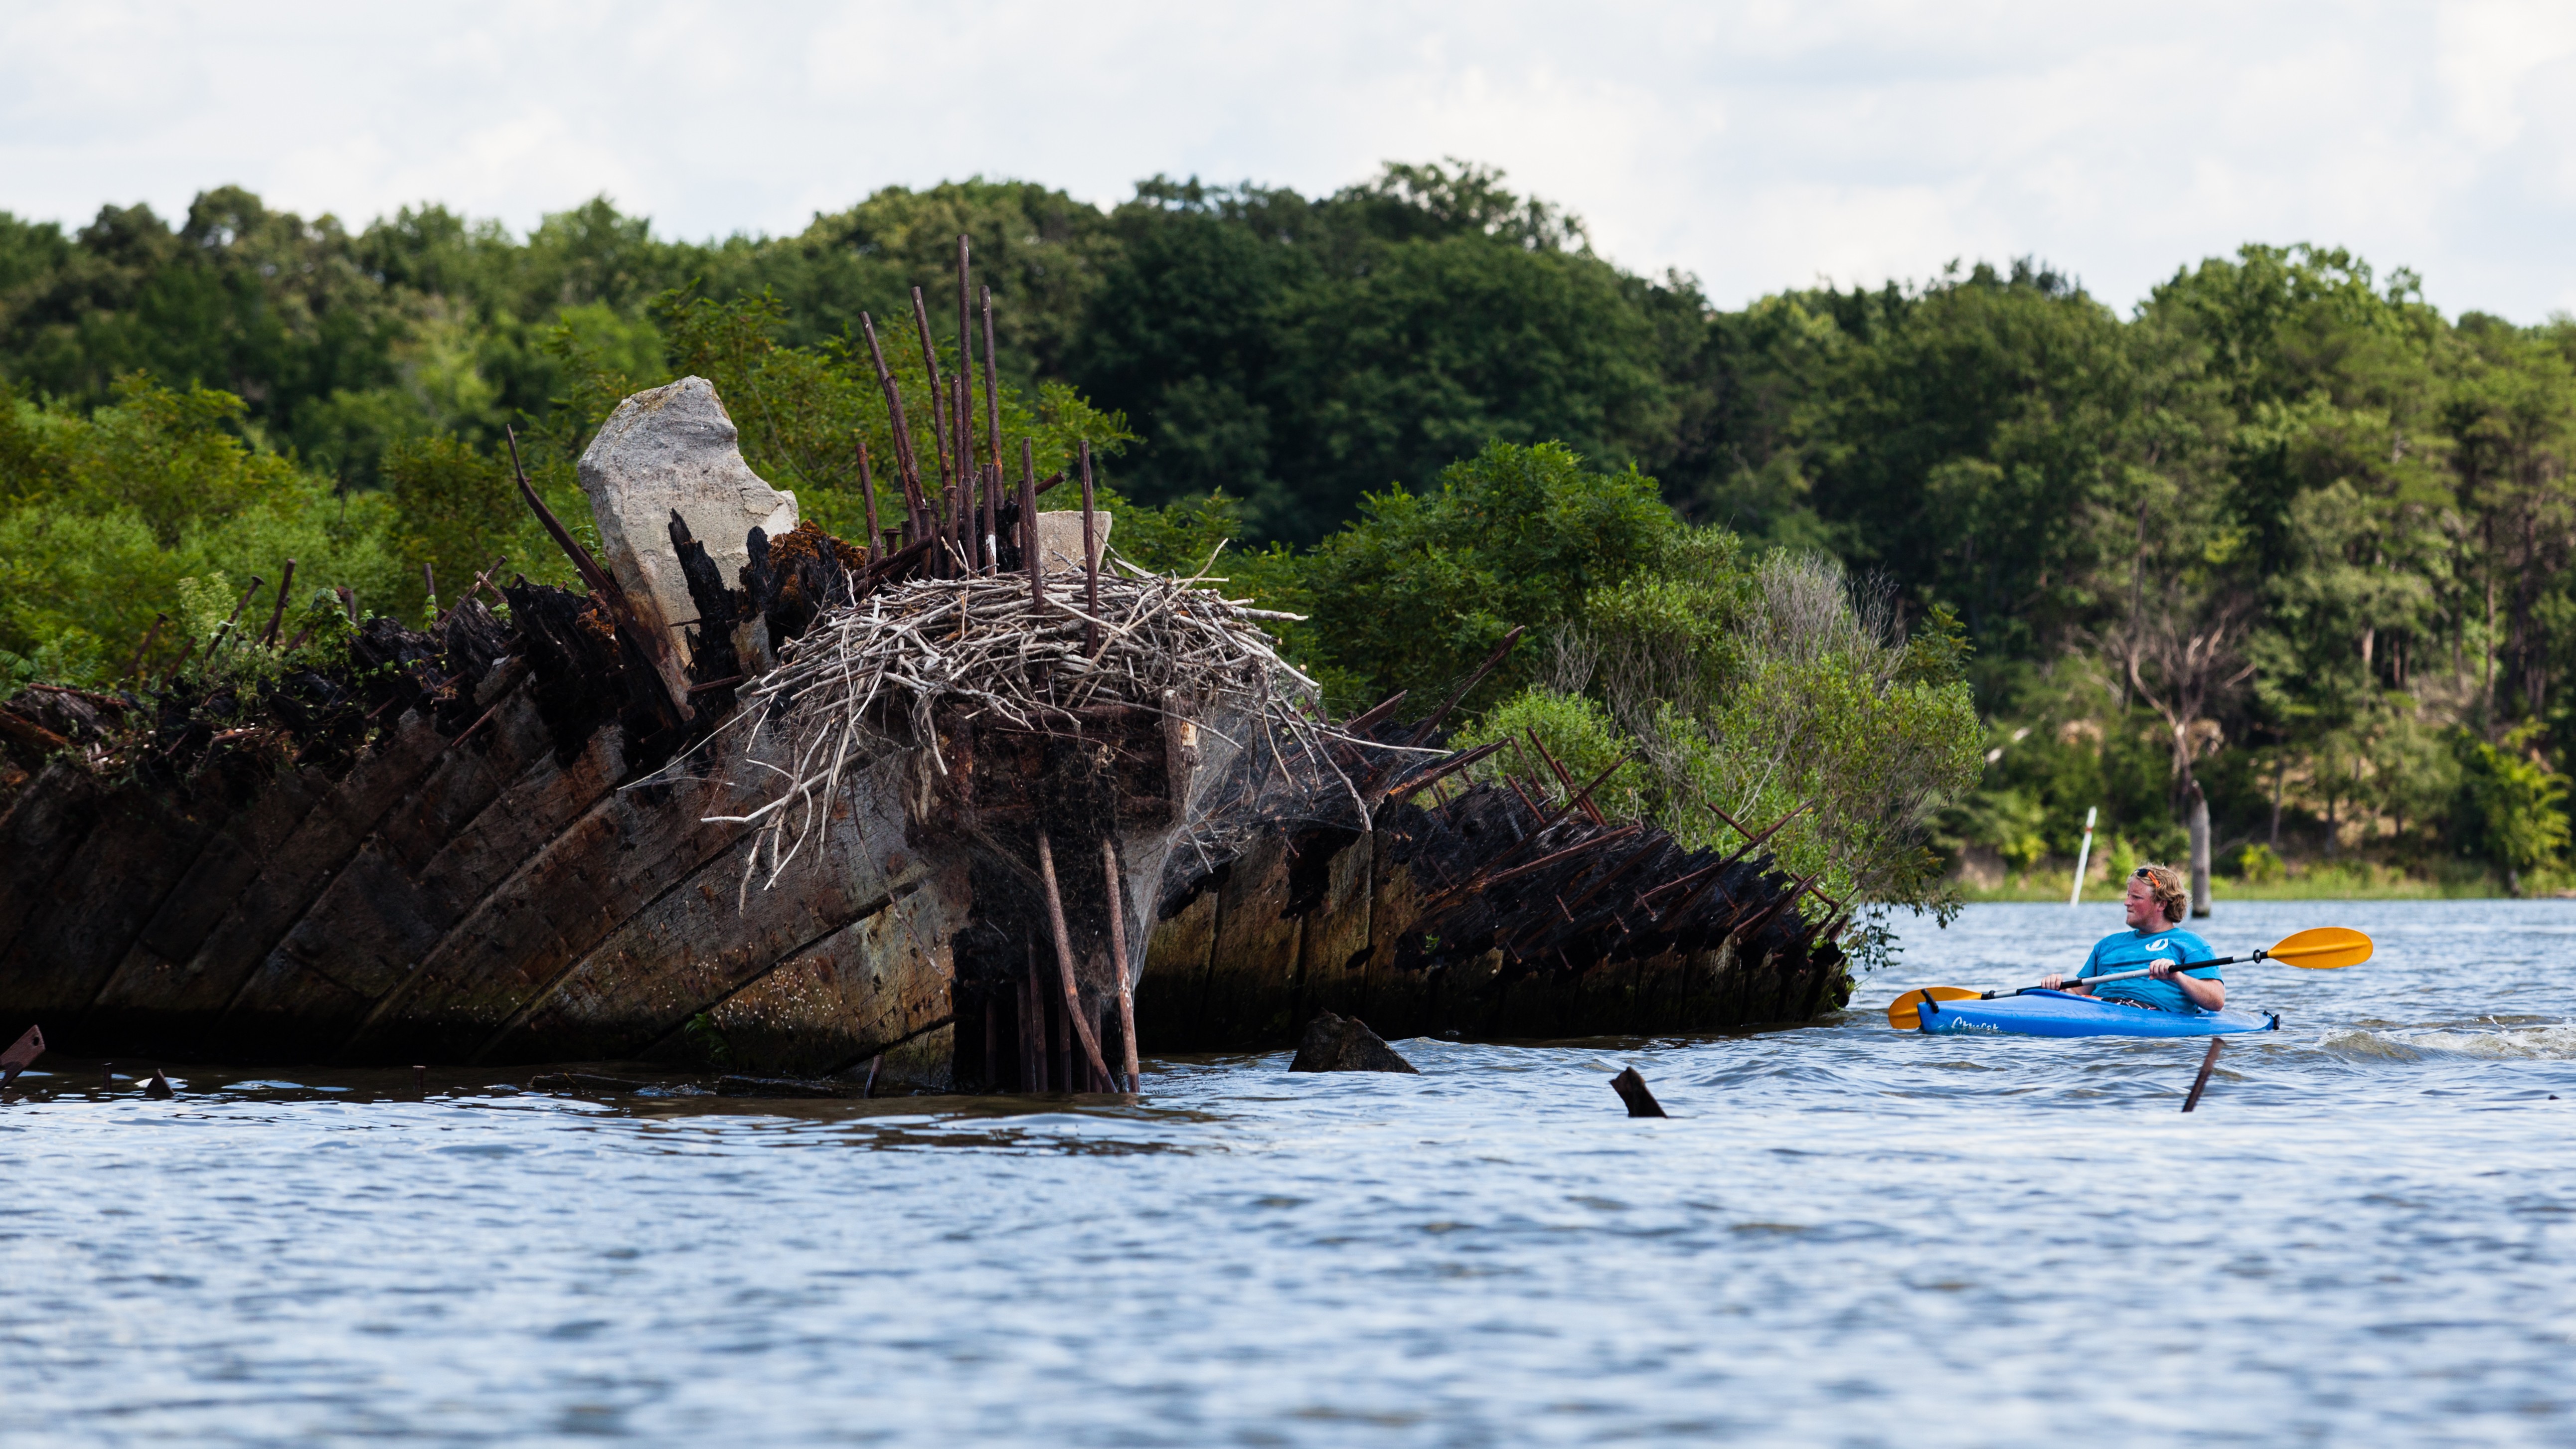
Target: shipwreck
(970, 804)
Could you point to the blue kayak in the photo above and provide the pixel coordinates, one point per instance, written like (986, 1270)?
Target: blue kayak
(2056, 1013)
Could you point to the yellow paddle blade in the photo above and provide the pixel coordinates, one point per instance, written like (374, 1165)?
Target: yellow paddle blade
(1905, 1013)
(2323, 949)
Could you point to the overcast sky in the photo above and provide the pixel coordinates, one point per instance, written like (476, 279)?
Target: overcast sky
(1756, 145)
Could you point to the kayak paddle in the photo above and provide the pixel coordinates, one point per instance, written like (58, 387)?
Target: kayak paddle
(2323, 948)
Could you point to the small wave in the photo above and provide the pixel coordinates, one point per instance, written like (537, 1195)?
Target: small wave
(2519, 1043)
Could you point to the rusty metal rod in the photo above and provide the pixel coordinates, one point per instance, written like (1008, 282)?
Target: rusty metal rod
(1064, 958)
(992, 440)
(1029, 527)
(868, 496)
(992, 386)
(1090, 561)
(907, 469)
(1756, 842)
(1375, 714)
(144, 648)
(481, 580)
(1492, 662)
(961, 509)
(1574, 799)
(938, 389)
(1120, 960)
(1415, 784)
(965, 351)
(224, 634)
(286, 581)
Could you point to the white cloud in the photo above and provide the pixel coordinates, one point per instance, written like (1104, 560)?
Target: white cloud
(1758, 145)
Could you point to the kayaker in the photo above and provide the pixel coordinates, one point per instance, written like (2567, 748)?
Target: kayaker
(2155, 940)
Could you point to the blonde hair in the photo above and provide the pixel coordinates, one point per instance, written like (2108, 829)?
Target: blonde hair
(2166, 884)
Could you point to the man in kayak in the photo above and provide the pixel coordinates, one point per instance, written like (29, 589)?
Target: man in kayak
(2156, 903)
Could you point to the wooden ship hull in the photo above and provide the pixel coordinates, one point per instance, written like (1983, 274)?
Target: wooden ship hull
(541, 839)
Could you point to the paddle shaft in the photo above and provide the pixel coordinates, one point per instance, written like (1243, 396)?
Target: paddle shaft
(2130, 975)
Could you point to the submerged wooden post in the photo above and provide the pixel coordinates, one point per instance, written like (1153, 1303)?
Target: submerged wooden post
(1064, 959)
(2207, 1063)
(1632, 1090)
(1118, 960)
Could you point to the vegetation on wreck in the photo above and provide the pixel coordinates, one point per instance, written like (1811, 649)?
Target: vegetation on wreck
(1724, 681)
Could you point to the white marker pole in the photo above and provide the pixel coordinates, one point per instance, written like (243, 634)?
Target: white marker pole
(2083, 853)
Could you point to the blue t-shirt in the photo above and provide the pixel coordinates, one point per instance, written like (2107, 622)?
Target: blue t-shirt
(2133, 950)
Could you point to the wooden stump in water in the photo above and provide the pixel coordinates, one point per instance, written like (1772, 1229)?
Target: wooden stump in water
(1632, 1090)
(1345, 1044)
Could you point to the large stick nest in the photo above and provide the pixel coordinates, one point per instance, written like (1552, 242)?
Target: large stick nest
(867, 679)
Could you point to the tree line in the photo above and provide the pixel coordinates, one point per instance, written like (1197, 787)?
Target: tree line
(2281, 531)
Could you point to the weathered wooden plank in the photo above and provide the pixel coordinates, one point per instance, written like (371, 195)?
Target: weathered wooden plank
(297, 872)
(118, 876)
(374, 921)
(699, 943)
(1251, 980)
(1173, 988)
(48, 819)
(1395, 1003)
(878, 981)
(520, 939)
(136, 1003)
(1335, 941)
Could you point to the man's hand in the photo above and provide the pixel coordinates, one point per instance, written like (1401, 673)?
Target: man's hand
(2052, 981)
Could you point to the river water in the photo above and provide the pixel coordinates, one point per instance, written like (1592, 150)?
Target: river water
(1844, 1235)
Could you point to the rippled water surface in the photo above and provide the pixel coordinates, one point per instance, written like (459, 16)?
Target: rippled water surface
(1845, 1235)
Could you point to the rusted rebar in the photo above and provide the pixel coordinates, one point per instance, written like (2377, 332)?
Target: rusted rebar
(1064, 958)
(1119, 958)
(286, 581)
(224, 634)
(1029, 525)
(153, 631)
(1493, 661)
(868, 498)
(907, 469)
(1090, 560)
(481, 581)
(938, 389)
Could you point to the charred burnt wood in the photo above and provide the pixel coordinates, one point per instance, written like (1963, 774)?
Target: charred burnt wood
(648, 647)
(791, 579)
(714, 662)
(1416, 927)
